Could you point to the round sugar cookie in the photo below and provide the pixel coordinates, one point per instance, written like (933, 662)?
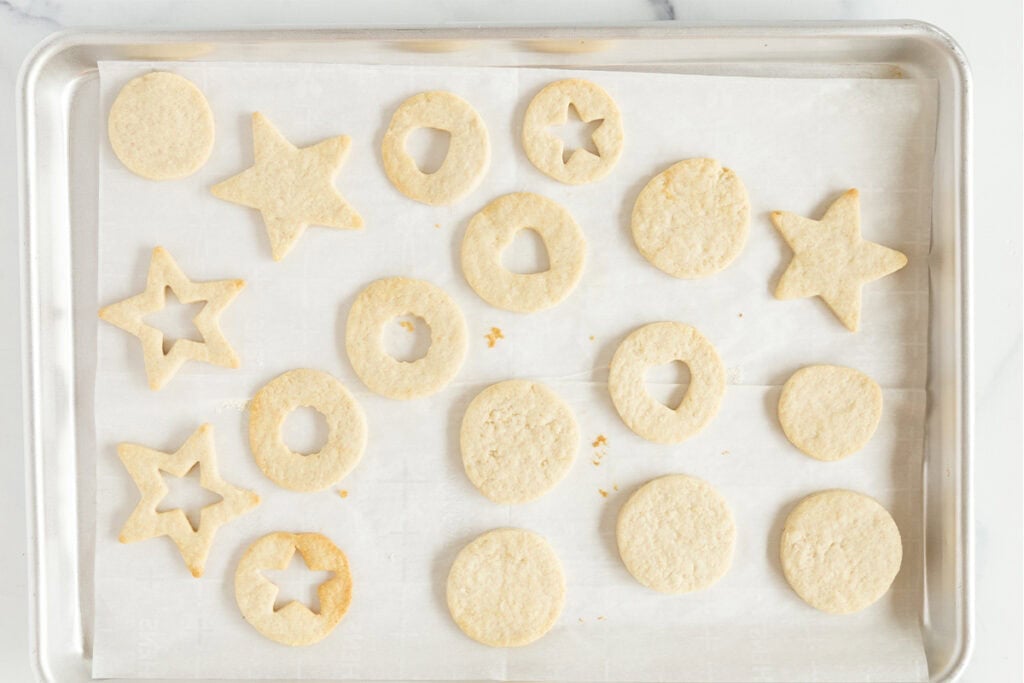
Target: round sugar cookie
(294, 624)
(506, 588)
(676, 534)
(828, 411)
(493, 229)
(346, 424)
(840, 550)
(469, 150)
(161, 127)
(518, 440)
(382, 373)
(692, 219)
(657, 344)
(550, 107)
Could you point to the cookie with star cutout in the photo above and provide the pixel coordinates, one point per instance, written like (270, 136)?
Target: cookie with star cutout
(291, 187)
(831, 260)
(145, 465)
(165, 274)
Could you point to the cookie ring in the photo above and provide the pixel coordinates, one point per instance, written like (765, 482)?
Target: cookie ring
(346, 424)
(469, 150)
(550, 107)
(494, 228)
(676, 534)
(657, 344)
(518, 440)
(381, 373)
(840, 550)
(506, 588)
(692, 219)
(294, 624)
(161, 126)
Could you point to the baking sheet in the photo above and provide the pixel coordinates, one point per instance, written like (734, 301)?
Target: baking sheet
(795, 143)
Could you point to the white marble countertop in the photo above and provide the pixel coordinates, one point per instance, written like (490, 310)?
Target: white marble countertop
(989, 32)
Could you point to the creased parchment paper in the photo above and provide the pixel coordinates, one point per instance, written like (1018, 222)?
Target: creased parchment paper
(796, 144)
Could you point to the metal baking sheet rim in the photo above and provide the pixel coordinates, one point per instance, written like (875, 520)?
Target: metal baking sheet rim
(39, 418)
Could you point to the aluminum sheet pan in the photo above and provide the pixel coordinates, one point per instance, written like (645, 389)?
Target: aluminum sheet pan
(59, 121)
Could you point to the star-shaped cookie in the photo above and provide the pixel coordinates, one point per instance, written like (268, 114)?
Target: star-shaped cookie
(291, 187)
(145, 464)
(163, 274)
(831, 259)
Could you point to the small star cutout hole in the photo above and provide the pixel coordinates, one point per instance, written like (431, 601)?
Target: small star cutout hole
(187, 494)
(668, 383)
(175, 320)
(297, 583)
(577, 134)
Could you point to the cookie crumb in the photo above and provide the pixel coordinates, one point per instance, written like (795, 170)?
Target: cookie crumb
(725, 452)
(597, 463)
(581, 620)
(740, 315)
(591, 337)
(615, 487)
(604, 494)
(343, 493)
(601, 618)
(409, 327)
(493, 336)
(601, 440)
(437, 225)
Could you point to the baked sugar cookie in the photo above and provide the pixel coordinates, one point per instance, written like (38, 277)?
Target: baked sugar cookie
(840, 551)
(506, 588)
(130, 314)
(161, 127)
(292, 188)
(494, 228)
(145, 466)
(831, 260)
(676, 534)
(469, 150)
(294, 624)
(657, 344)
(550, 107)
(828, 411)
(346, 426)
(692, 219)
(518, 440)
(383, 374)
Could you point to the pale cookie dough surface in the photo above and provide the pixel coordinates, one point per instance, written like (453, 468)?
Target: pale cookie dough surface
(840, 550)
(657, 344)
(518, 440)
(469, 150)
(130, 315)
(506, 588)
(692, 219)
(161, 127)
(550, 107)
(145, 466)
(294, 624)
(831, 260)
(291, 187)
(828, 411)
(676, 534)
(493, 229)
(346, 426)
(380, 372)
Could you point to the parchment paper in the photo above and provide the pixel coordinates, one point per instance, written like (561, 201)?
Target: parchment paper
(795, 143)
